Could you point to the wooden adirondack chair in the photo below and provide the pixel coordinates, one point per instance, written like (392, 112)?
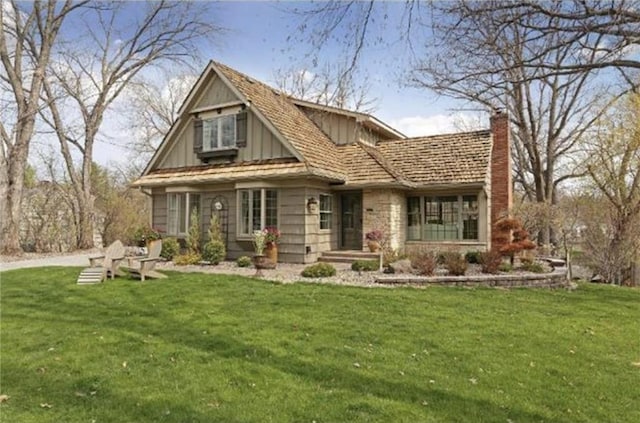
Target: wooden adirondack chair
(104, 266)
(143, 267)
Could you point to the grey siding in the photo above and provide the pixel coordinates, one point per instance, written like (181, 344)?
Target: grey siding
(159, 210)
(339, 128)
(216, 93)
(261, 144)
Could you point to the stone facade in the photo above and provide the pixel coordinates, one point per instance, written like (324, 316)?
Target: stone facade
(556, 279)
(385, 210)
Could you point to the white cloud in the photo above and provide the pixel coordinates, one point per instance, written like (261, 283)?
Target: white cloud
(416, 126)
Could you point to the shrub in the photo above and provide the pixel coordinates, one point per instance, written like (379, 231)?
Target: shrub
(490, 261)
(319, 270)
(390, 256)
(455, 263)
(214, 251)
(425, 262)
(244, 261)
(534, 267)
(186, 259)
(170, 248)
(365, 265)
(505, 267)
(472, 257)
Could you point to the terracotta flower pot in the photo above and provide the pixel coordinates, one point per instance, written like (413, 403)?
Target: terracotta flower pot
(272, 253)
(374, 246)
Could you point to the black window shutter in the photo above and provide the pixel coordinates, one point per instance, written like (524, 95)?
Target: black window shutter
(241, 129)
(197, 136)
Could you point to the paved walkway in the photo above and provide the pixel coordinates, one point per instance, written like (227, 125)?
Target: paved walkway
(66, 260)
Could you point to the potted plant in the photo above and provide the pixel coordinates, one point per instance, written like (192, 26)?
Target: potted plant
(373, 240)
(260, 261)
(272, 236)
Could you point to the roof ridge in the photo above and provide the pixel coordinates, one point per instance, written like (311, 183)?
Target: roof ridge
(314, 147)
(445, 135)
(378, 156)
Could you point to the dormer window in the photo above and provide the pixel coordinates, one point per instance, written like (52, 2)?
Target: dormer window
(219, 133)
(219, 136)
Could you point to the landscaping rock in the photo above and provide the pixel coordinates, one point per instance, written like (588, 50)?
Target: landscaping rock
(402, 266)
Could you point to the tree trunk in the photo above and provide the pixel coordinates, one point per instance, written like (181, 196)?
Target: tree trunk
(12, 184)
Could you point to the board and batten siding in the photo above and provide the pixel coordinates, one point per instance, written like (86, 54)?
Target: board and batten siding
(216, 92)
(261, 144)
(339, 128)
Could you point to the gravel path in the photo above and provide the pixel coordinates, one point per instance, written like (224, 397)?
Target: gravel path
(27, 261)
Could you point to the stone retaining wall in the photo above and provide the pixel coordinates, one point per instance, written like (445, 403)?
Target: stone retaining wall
(556, 279)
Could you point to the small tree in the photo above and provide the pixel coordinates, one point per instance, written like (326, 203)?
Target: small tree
(515, 237)
(214, 250)
(193, 238)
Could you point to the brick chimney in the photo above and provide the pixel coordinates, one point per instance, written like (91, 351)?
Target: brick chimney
(501, 175)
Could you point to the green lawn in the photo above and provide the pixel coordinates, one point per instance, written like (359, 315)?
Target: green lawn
(204, 348)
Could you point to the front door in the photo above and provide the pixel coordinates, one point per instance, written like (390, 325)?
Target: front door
(351, 221)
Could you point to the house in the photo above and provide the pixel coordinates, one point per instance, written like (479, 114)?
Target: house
(323, 175)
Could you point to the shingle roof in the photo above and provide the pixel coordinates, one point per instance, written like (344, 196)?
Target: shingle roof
(315, 147)
(224, 172)
(410, 162)
(441, 159)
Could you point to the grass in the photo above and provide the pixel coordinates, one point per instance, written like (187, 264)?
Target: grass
(205, 348)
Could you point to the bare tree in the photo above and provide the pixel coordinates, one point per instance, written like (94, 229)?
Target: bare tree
(27, 38)
(613, 165)
(90, 76)
(609, 29)
(331, 85)
(495, 56)
(478, 56)
(152, 105)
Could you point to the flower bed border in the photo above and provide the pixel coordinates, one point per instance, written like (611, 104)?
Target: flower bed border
(555, 279)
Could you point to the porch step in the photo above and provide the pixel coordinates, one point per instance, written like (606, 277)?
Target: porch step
(347, 256)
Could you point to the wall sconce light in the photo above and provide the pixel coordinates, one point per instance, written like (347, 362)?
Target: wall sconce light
(312, 205)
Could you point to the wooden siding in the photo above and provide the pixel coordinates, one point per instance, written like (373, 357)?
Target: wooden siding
(340, 129)
(261, 144)
(159, 210)
(215, 93)
(320, 240)
(368, 135)
(300, 228)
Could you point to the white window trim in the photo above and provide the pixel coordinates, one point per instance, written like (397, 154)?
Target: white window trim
(187, 199)
(218, 140)
(263, 210)
(329, 211)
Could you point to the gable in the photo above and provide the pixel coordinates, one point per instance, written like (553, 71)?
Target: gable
(216, 92)
(210, 97)
(262, 144)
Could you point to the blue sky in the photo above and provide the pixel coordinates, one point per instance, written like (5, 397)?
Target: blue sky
(263, 37)
(257, 45)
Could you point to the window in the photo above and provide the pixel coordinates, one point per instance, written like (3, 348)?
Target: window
(444, 218)
(258, 210)
(326, 209)
(219, 133)
(179, 209)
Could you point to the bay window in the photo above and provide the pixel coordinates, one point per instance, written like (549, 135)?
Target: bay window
(180, 205)
(258, 209)
(442, 218)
